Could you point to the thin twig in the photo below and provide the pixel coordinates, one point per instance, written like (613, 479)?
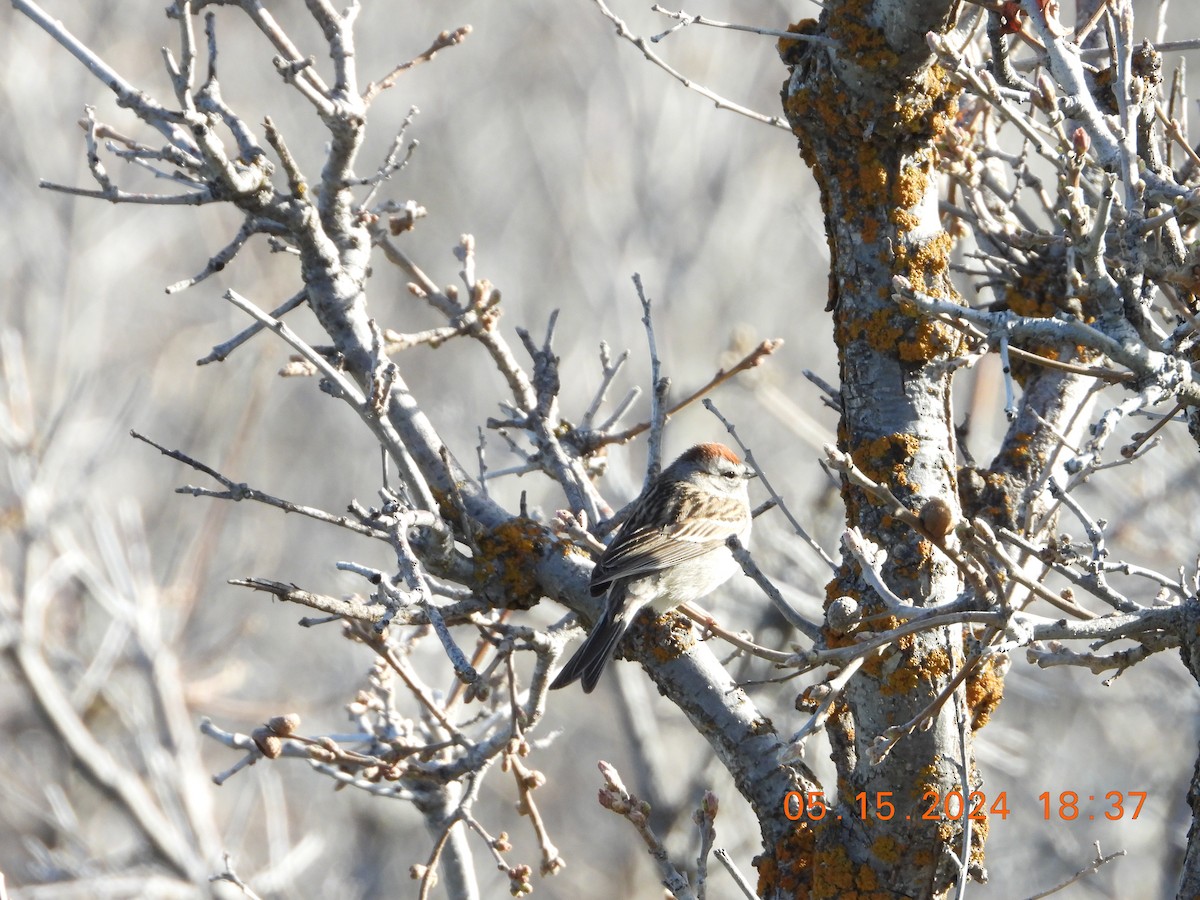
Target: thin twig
(220, 352)
(441, 42)
(753, 359)
(658, 390)
(739, 879)
(1091, 868)
(762, 478)
(685, 20)
(719, 101)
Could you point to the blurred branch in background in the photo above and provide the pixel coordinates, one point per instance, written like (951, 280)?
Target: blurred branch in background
(89, 636)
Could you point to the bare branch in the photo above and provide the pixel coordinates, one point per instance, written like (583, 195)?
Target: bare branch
(441, 42)
(719, 101)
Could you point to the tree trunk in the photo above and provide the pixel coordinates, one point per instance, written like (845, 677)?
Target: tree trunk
(868, 113)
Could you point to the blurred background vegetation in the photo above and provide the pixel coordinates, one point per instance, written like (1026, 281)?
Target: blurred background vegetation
(574, 164)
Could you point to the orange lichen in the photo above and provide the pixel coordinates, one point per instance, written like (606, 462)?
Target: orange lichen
(1039, 290)
(668, 635)
(985, 689)
(928, 260)
(873, 176)
(931, 105)
(913, 183)
(990, 495)
(918, 569)
(905, 220)
(869, 229)
(886, 459)
(860, 42)
(837, 873)
(936, 666)
(872, 666)
(930, 339)
(866, 880)
(788, 869)
(900, 328)
(979, 834)
(887, 849)
(903, 680)
(923, 858)
(1020, 450)
(1036, 292)
(507, 557)
(931, 670)
(788, 49)
(842, 878)
(883, 329)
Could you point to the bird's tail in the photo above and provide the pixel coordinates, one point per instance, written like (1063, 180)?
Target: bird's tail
(596, 650)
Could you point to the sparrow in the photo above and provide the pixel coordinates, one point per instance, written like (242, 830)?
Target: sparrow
(670, 550)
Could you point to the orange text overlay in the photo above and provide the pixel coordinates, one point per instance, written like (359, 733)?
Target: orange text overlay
(1067, 806)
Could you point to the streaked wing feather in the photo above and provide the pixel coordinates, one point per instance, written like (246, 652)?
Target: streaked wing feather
(648, 549)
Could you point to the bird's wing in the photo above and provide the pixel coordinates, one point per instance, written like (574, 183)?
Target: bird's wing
(641, 547)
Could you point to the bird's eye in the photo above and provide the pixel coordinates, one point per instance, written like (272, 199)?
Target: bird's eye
(730, 475)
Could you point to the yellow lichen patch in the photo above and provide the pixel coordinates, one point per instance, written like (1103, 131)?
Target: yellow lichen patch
(917, 571)
(903, 680)
(913, 183)
(507, 558)
(570, 548)
(929, 777)
(907, 641)
(887, 849)
(882, 330)
(930, 106)
(821, 104)
(870, 228)
(860, 42)
(899, 328)
(927, 262)
(445, 504)
(935, 666)
(905, 221)
(1039, 290)
(947, 831)
(985, 689)
(923, 858)
(886, 458)
(789, 49)
(837, 873)
(979, 834)
(866, 880)
(1035, 292)
(872, 175)
(668, 635)
(1020, 450)
(929, 670)
(990, 495)
(838, 876)
(930, 340)
(885, 623)
(872, 666)
(788, 869)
